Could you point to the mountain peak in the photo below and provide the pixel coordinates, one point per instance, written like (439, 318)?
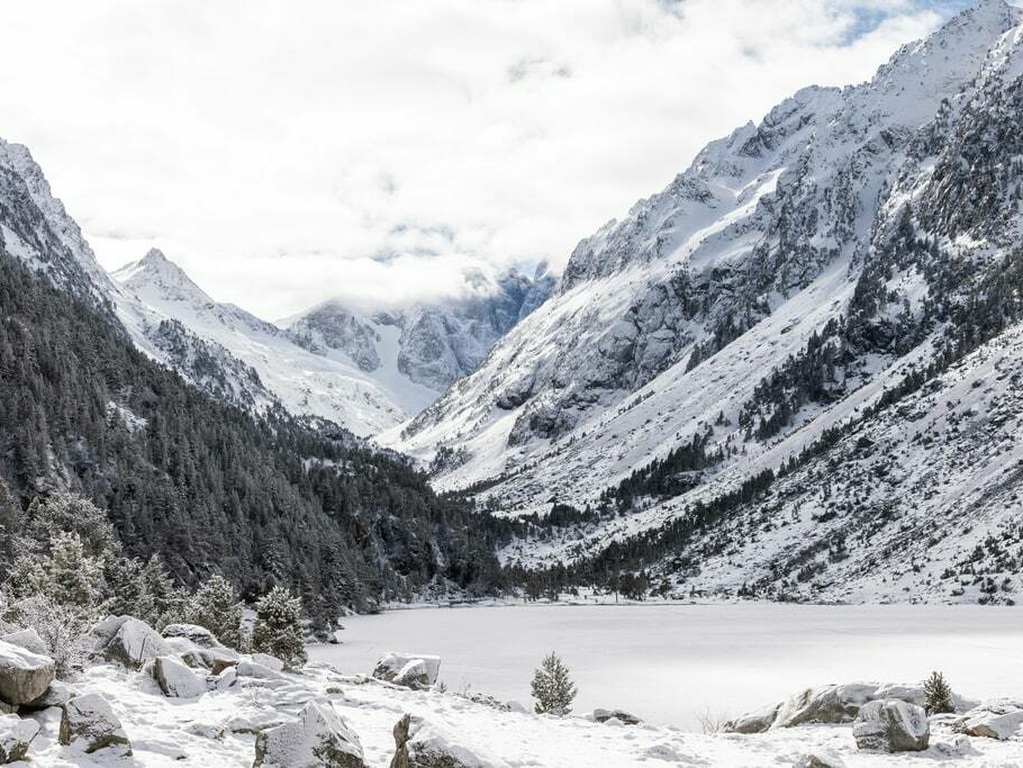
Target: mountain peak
(156, 276)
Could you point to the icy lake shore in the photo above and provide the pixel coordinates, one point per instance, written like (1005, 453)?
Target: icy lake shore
(671, 664)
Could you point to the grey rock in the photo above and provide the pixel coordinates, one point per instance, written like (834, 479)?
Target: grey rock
(176, 679)
(128, 641)
(603, 715)
(16, 735)
(198, 636)
(88, 724)
(320, 737)
(891, 726)
(28, 639)
(24, 675)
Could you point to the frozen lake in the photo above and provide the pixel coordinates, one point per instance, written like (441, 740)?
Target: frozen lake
(668, 663)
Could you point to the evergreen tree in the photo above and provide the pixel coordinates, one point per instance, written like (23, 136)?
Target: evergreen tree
(70, 577)
(278, 628)
(160, 602)
(123, 595)
(553, 688)
(215, 605)
(938, 694)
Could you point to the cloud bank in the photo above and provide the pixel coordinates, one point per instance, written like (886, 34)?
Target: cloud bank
(287, 152)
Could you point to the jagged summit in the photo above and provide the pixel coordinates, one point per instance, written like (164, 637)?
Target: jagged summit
(155, 277)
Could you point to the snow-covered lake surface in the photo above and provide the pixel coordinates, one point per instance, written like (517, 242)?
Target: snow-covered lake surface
(670, 663)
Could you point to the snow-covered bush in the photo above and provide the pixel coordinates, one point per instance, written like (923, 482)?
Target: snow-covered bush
(939, 694)
(553, 688)
(215, 606)
(278, 627)
(62, 627)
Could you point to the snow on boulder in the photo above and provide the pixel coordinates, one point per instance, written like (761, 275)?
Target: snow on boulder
(754, 722)
(248, 668)
(410, 670)
(603, 715)
(226, 679)
(15, 736)
(24, 675)
(28, 639)
(268, 661)
(820, 759)
(829, 704)
(57, 695)
(999, 719)
(218, 659)
(198, 636)
(320, 737)
(128, 641)
(88, 724)
(177, 679)
(420, 743)
(891, 726)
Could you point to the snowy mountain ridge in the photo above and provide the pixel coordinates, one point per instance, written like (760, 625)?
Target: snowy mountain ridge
(789, 283)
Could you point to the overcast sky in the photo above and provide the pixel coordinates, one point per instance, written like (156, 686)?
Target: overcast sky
(285, 152)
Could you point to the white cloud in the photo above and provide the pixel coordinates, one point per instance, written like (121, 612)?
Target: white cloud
(283, 152)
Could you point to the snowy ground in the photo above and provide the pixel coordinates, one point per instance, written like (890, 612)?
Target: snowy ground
(672, 663)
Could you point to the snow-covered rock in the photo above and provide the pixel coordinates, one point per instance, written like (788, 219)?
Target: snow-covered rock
(891, 726)
(28, 639)
(128, 641)
(24, 675)
(1000, 719)
(420, 743)
(320, 737)
(248, 668)
(825, 704)
(268, 661)
(820, 759)
(198, 636)
(57, 695)
(626, 718)
(218, 659)
(88, 724)
(16, 735)
(177, 679)
(226, 679)
(408, 669)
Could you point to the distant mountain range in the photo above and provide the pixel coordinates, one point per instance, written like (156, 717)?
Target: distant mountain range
(364, 373)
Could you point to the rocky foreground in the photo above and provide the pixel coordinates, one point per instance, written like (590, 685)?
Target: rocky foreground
(180, 697)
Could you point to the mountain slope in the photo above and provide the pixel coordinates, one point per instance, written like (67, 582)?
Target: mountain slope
(304, 383)
(762, 303)
(210, 485)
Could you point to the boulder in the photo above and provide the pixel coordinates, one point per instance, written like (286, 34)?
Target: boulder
(8, 709)
(603, 715)
(15, 736)
(754, 722)
(410, 670)
(820, 759)
(422, 744)
(198, 636)
(128, 641)
(57, 695)
(28, 639)
(829, 704)
(268, 661)
(999, 719)
(226, 679)
(218, 659)
(176, 679)
(252, 669)
(24, 675)
(891, 726)
(253, 723)
(320, 737)
(88, 724)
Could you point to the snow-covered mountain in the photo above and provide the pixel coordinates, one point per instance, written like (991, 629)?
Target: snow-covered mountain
(334, 387)
(799, 278)
(428, 344)
(366, 374)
